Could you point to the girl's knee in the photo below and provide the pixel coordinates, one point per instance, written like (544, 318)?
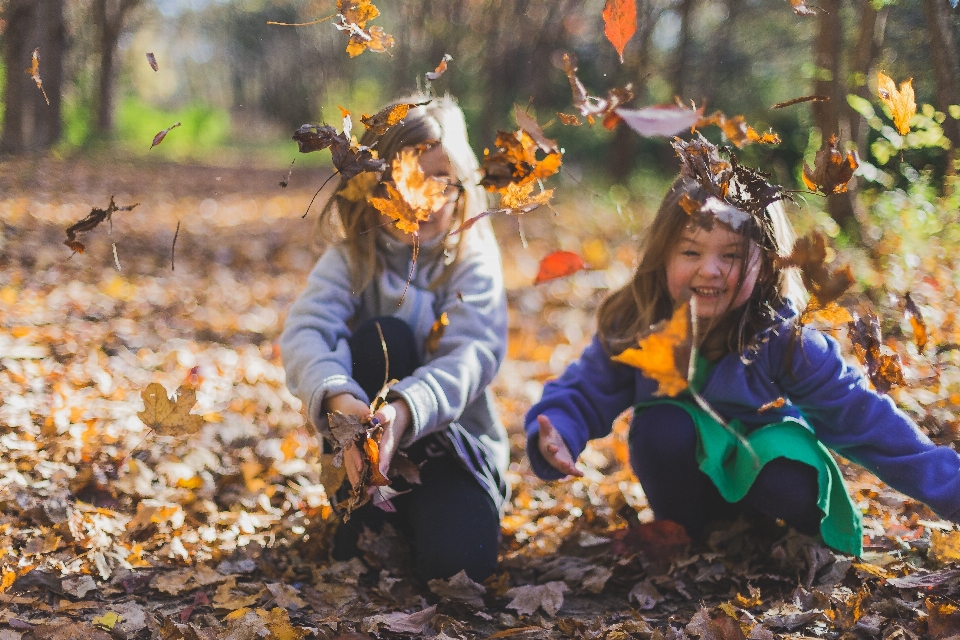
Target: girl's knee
(788, 490)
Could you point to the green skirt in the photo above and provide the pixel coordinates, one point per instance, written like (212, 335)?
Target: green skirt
(733, 469)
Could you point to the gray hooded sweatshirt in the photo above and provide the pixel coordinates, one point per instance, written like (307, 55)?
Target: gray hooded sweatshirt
(449, 393)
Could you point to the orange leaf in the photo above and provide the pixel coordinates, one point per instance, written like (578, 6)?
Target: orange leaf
(901, 103)
(440, 70)
(414, 197)
(737, 131)
(620, 23)
(801, 9)
(515, 161)
(831, 169)
(809, 254)
(372, 449)
(432, 343)
(34, 72)
(663, 354)
(558, 265)
(569, 119)
(912, 311)
(386, 118)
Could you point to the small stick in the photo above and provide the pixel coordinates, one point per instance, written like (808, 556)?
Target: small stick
(116, 259)
(386, 355)
(318, 193)
(301, 24)
(173, 248)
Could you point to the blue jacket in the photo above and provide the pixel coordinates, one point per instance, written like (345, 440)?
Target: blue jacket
(820, 388)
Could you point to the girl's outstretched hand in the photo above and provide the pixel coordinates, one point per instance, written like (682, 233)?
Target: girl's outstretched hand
(554, 449)
(396, 419)
(348, 404)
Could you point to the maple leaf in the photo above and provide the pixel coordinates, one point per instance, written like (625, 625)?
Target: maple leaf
(883, 370)
(619, 23)
(169, 418)
(358, 187)
(152, 60)
(413, 196)
(439, 327)
(737, 131)
(348, 159)
(515, 161)
(809, 254)
(559, 264)
(34, 72)
(912, 312)
(900, 102)
(515, 199)
(440, 70)
(90, 222)
(157, 139)
(831, 169)
(386, 117)
(591, 107)
(661, 120)
(664, 353)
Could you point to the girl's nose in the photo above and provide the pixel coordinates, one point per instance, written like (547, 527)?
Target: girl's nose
(710, 266)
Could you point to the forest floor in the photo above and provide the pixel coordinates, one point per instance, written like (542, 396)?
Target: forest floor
(109, 530)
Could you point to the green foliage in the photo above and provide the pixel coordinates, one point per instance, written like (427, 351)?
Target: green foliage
(203, 129)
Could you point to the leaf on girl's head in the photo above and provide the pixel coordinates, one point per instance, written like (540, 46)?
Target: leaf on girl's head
(359, 186)
(737, 131)
(831, 169)
(157, 139)
(703, 214)
(663, 354)
(568, 119)
(515, 161)
(441, 68)
(34, 72)
(591, 107)
(661, 119)
(90, 222)
(559, 264)
(809, 254)
(801, 9)
(528, 124)
(900, 102)
(883, 370)
(169, 418)
(386, 117)
(152, 59)
(413, 196)
(619, 23)
(432, 343)
(912, 312)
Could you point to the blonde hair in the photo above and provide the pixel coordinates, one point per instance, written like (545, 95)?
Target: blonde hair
(631, 310)
(432, 121)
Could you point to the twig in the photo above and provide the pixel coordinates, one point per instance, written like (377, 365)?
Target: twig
(318, 193)
(116, 258)
(301, 24)
(386, 355)
(173, 247)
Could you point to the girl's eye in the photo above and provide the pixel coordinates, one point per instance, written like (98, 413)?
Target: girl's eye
(691, 253)
(732, 256)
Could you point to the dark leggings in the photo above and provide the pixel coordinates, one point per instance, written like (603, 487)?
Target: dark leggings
(663, 444)
(450, 519)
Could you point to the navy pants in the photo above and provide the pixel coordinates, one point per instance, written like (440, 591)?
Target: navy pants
(663, 444)
(450, 519)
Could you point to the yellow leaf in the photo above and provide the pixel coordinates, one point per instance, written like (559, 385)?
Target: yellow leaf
(169, 418)
(432, 343)
(278, 622)
(900, 102)
(238, 613)
(517, 196)
(656, 355)
(8, 579)
(107, 620)
(359, 186)
(945, 546)
(414, 197)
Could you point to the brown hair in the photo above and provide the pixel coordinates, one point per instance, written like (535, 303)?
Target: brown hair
(631, 310)
(432, 121)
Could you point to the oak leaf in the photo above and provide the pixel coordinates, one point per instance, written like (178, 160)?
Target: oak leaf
(530, 597)
(559, 264)
(413, 196)
(591, 107)
(157, 139)
(386, 117)
(619, 23)
(900, 102)
(169, 418)
(34, 72)
(831, 169)
(664, 353)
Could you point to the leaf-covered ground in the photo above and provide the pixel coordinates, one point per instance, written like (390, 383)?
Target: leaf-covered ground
(110, 530)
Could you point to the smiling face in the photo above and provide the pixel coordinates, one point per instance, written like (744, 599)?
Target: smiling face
(708, 264)
(435, 164)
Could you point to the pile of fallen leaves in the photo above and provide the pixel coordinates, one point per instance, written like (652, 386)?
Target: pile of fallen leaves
(157, 479)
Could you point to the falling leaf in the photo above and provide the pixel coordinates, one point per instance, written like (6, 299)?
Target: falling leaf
(386, 117)
(773, 404)
(883, 370)
(569, 119)
(157, 139)
(349, 160)
(831, 169)
(441, 68)
(515, 161)
(432, 343)
(591, 107)
(90, 222)
(831, 314)
(900, 102)
(358, 187)
(352, 18)
(559, 264)
(920, 335)
(169, 418)
(528, 124)
(312, 137)
(661, 120)
(788, 103)
(347, 122)
(152, 59)
(800, 8)
(664, 353)
(619, 23)
(530, 597)
(809, 254)
(34, 72)
(412, 197)
(515, 199)
(737, 131)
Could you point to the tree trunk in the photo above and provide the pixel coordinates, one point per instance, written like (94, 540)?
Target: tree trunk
(946, 66)
(109, 16)
(872, 30)
(684, 46)
(829, 44)
(29, 123)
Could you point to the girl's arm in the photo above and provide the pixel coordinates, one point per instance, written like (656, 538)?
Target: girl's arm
(581, 405)
(856, 422)
(316, 356)
(470, 351)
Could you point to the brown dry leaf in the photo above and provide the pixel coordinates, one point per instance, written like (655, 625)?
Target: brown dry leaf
(152, 59)
(883, 370)
(831, 314)
(592, 107)
(414, 197)
(440, 70)
(402, 467)
(943, 619)
(900, 102)
(530, 597)
(920, 334)
(515, 161)
(569, 119)
(372, 448)
(69, 631)
(528, 124)
(773, 404)
(831, 169)
(347, 429)
(460, 588)
(91, 221)
(415, 623)
(157, 139)
(170, 418)
(619, 23)
(277, 620)
(432, 343)
(34, 72)
(704, 214)
(664, 352)
(226, 598)
(348, 159)
(809, 254)
(386, 117)
(737, 131)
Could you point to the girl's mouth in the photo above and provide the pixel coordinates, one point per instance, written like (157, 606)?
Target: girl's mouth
(706, 292)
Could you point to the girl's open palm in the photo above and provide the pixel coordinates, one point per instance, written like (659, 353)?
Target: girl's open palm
(554, 449)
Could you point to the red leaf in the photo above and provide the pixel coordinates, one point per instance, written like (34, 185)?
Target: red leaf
(559, 264)
(620, 23)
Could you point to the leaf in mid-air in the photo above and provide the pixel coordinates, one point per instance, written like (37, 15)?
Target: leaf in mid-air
(90, 222)
(620, 23)
(884, 370)
(348, 159)
(663, 354)
(169, 418)
(737, 131)
(440, 70)
(34, 72)
(920, 334)
(152, 59)
(386, 117)
(528, 124)
(789, 103)
(515, 161)
(569, 119)
(157, 139)
(591, 107)
(515, 199)
(661, 119)
(359, 186)
(900, 102)
(831, 169)
(800, 8)
(559, 264)
(809, 254)
(412, 196)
